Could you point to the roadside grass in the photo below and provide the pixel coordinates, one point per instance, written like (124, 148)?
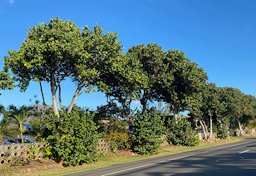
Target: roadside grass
(49, 168)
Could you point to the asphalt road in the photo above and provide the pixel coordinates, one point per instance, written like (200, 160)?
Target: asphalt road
(237, 159)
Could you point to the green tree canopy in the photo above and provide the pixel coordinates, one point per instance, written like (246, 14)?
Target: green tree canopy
(181, 81)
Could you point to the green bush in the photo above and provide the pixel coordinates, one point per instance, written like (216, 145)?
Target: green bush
(148, 131)
(118, 135)
(251, 125)
(73, 138)
(181, 133)
(222, 133)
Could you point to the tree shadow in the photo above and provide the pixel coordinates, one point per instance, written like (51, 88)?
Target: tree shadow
(218, 165)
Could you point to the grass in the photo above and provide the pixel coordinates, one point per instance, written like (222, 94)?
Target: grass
(49, 168)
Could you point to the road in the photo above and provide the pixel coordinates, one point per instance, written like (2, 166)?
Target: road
(238, 159)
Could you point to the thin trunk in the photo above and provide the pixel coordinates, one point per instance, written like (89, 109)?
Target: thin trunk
(54, 101)
(172, 109)
(220, 122)
(204, 131)
(75, 96)
(206, 127)
(60, 99)
(126, 104)
(1, 140)
(143, 102)
(21, 133)
(42, 92)
(128, 114)
(210, 126)
(240, 127)
(227, 128)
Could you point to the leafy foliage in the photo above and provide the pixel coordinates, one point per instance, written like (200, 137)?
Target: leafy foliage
(73, 137)
(118, 135)
(48, 54)
(149, 61)
(148, 131)
(181, 81)
(19, 117)
(6, 82)
(222, 133)
(181, 133)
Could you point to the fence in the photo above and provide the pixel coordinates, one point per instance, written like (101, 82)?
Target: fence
(103, 146)
(9, 153)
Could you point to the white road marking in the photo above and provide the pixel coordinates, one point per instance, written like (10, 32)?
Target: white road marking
(151, 164)
(145, 165)
(244, 151)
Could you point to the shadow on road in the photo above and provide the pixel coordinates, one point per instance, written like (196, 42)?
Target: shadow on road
(218, 165)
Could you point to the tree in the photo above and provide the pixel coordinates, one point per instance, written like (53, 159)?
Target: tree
(181, 81)
(20, 116)
(121, 78)
(148, 131)
(5, 126)
(207, 107)
(48, 54)
(100, 51)
(150, 59)
(133, 76)
(233, 101)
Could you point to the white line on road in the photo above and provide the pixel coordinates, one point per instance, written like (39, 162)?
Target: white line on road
(244, 151)
(145, 165)
(151, 164)
(129, 169)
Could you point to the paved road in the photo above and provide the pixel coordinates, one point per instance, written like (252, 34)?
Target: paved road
(238, 159)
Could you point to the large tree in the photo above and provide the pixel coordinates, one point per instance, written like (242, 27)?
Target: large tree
(180, 82)
(150, 59)
(121, 78)
(48, 54)
(101, 52)
(207, 108)
(240, 108)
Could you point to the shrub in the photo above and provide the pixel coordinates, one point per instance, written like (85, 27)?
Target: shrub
(73, 137)
(181, 133)
(118, 135)
(222, 133)
(148, 130)
(251, 125)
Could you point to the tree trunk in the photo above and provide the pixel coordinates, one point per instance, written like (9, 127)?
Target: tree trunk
(210, 126)
(21, 133)
(76, 94)
(42, 92)
(227, 128)
(143, 102)
(240, 127)
(54, 101)
(206, 127)
(204, 131)
(60, 99)
(128, 114)
(1, 140)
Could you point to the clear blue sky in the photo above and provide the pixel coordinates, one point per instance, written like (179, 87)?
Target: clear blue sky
(220, 35)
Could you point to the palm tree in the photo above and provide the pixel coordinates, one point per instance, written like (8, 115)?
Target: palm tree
(6, 130)
(20, 116)
(5, 126)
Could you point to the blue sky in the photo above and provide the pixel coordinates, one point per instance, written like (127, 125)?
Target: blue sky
(220, 35)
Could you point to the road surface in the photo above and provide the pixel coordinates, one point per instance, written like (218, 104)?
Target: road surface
(237, 159)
